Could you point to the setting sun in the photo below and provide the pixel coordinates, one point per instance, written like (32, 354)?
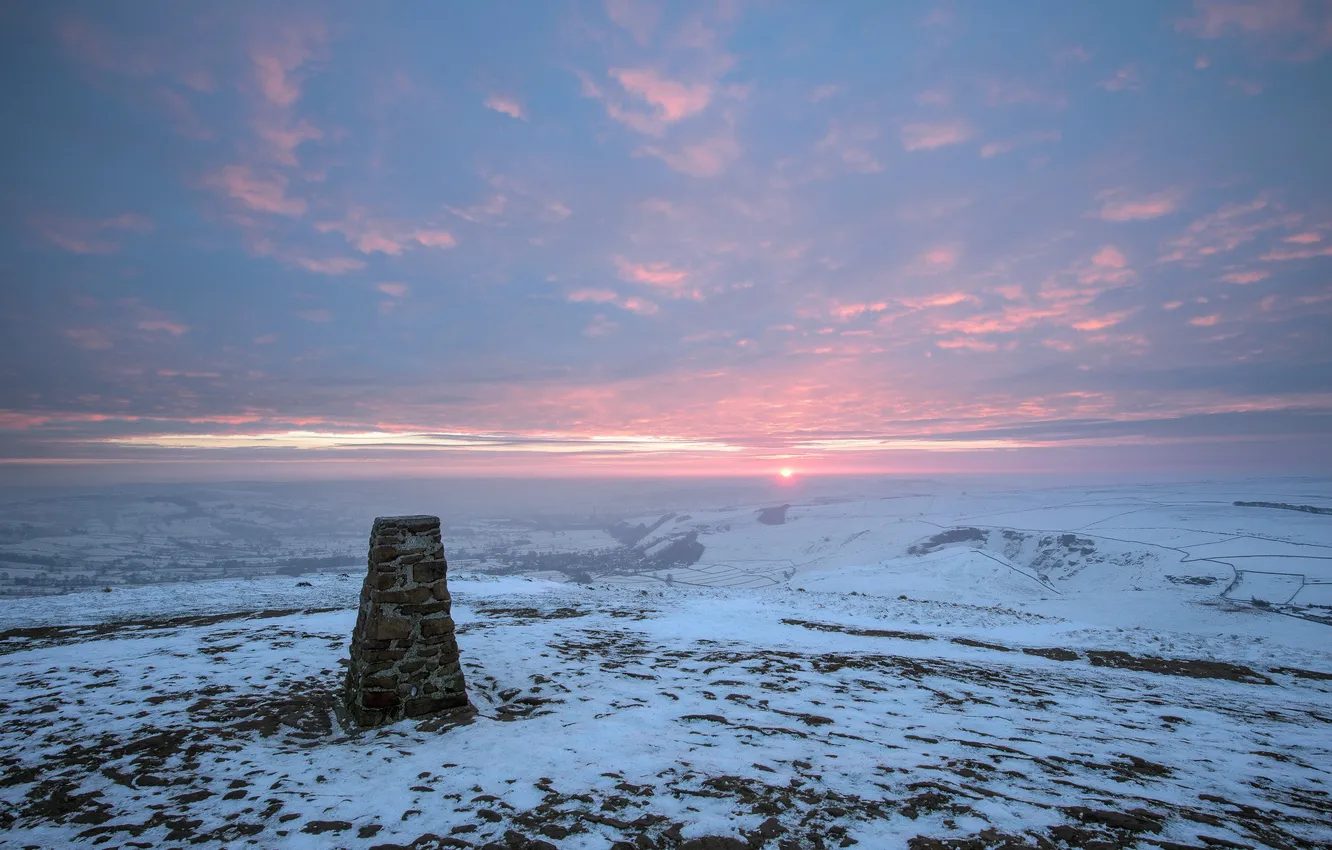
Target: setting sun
(785, 472)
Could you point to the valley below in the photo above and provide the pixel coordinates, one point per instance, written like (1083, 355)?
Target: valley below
(932, 668)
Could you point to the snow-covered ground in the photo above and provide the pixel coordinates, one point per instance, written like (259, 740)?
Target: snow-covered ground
(1046, 667)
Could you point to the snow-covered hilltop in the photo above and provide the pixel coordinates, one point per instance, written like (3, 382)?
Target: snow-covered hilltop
(1128, 667)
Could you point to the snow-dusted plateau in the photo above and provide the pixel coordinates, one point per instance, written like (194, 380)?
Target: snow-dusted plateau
(916, 664)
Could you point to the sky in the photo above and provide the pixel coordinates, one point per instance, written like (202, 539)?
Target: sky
(603, 238)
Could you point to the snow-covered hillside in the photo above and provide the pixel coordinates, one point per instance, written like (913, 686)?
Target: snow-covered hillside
(1024, 669)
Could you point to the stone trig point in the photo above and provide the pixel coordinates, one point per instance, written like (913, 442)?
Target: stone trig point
(404, 658)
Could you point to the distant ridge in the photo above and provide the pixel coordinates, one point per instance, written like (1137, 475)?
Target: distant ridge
(1308, 509)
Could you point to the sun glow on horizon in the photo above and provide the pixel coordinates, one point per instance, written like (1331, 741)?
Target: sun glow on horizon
(547, 443)
(786, 472)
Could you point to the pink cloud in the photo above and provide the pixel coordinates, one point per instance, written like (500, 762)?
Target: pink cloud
(181, 114)
(199, 79)
(850, 145)
(1245, 277)
(14, 421)
(80, 245)
(173, 328)
(595, 296)
(507, 105)
(672, 101)
(966, 344)
(159, 68)
(278, 88)
(707, 158)
(555, 211)
(989, 150)
(941, 299)
(1018, 93)
(1304, 238)
(709, 336)
(370, 236)
(280, 54)
(1127, 78)
(99, 50)
(1109, 257)
(1012, 318)
(280, 51)
(92, 339)
(698, 31)
(143, 56)
(370, 242)
(1102, 322)
(435, 238)
(1067, 292)
(928, 137)
(483, 213)
(1297, 31)
(1222, 231)
(1002, 146)
(282, 138)
(395, 292)
(329, 266)
(1217, 18)
(1119, 207)
(640, 306)
(1070, 55)
(657, 274)
(599, 326)
(261, 193)
(91, 236)
(638, 17)
(851, 311)
(1205, 321)
(1301, 254)
(653, 274)
(938, 259)
(127, 221)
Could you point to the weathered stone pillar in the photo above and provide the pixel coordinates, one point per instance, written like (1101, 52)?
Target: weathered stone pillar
(404, 659)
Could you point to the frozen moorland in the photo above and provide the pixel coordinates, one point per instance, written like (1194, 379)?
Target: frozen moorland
(1100, 668)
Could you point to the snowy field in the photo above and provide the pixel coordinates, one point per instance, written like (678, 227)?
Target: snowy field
(1117, 667)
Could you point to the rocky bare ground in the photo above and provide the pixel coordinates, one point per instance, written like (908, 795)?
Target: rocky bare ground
(671, 719)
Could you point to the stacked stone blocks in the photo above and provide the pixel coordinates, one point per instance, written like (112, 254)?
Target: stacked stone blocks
(404, 658)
